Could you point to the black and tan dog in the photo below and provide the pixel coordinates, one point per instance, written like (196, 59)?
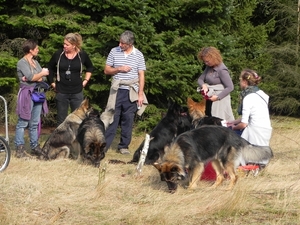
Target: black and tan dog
(62, 142)
(186, 156)
(197, 112)
(163, 134)
(91, 137)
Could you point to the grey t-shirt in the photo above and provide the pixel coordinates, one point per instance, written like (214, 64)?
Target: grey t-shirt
(25, 69)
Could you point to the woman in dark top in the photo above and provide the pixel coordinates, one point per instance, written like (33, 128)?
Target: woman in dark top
(65, 75)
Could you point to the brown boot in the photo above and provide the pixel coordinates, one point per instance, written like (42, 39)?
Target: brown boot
(37, 151)
(20, 152)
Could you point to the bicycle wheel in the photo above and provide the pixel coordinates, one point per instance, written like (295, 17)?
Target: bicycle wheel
(4, 154)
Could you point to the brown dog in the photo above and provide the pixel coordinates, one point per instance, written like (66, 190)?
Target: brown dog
(196, 109)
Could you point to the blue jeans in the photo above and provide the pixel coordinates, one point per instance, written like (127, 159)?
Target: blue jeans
(63, 101)
(124, 116)
(31, 124)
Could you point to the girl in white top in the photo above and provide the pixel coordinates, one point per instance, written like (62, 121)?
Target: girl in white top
(255, 122)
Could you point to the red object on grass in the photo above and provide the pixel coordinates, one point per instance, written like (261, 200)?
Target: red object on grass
(249, 167)
(208, 173)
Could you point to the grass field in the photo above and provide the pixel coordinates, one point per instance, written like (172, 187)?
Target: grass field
(64, 192)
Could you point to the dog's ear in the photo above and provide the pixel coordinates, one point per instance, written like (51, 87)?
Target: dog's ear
(181, 173)
(166, 148)
(157, 166)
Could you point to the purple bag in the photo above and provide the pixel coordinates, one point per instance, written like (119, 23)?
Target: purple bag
(39, 93)
(38, 97)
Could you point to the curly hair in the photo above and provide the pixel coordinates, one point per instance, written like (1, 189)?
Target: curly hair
(212, 54)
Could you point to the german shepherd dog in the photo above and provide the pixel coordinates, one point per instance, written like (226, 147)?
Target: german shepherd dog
(197, 112)
(91, 137)
(186, 156)
(63, 140)
(162, 134)
(196, 109)
(207, 120)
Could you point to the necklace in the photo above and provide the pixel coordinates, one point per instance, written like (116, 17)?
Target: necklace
(71, 56)
(30, 61)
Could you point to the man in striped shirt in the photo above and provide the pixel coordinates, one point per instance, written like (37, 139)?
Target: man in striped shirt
(126, 65)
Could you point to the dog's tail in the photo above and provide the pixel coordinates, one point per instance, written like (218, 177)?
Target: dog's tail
(107, 117)
(256, 154)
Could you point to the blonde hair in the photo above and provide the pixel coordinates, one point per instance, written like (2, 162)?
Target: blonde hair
(74, 39)
(251, 77)
(212, 54)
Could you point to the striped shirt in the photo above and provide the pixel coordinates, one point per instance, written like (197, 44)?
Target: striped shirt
(135, 60)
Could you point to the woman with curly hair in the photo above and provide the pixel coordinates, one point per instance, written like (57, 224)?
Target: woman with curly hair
(215, 84)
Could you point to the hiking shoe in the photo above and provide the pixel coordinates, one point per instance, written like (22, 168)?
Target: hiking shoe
(124, 151)
(20, 152)
(37, 151)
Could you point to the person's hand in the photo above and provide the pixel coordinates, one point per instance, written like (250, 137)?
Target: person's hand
(140, 101)
(45, 72)
(214, 98)
(230, 124)
(124, 69)
(204, 88)
(24, 79)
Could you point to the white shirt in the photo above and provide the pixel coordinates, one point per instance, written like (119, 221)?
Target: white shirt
(256, 114)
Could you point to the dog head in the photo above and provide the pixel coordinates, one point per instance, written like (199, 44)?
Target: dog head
(93, 113)
(196, 109)
(84, 109)
(95, 153)
(170, 172)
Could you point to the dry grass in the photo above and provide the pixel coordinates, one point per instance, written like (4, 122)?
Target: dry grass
(66, 193)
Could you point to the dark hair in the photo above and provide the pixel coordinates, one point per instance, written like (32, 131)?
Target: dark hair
(29, 45)
(251, 77)
(127, 37)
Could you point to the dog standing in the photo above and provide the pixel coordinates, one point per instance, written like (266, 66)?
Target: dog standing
(162, 134)
(91, 137)
(62, 142)
(191, 150)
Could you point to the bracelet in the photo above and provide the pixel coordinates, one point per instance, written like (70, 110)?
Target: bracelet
(86, 80)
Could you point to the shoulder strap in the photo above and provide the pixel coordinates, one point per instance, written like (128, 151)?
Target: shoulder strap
(262, 98)
(57, 67)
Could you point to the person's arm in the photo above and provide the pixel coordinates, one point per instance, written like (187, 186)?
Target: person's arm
(227, 83)
(23, 68)
(240, 126)
(89, 69)
(110, 70)
(201, 82)
(52, 68)
(141, 87)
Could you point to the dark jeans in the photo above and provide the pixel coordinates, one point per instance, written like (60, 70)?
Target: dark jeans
(63, 101)
(124, 116)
